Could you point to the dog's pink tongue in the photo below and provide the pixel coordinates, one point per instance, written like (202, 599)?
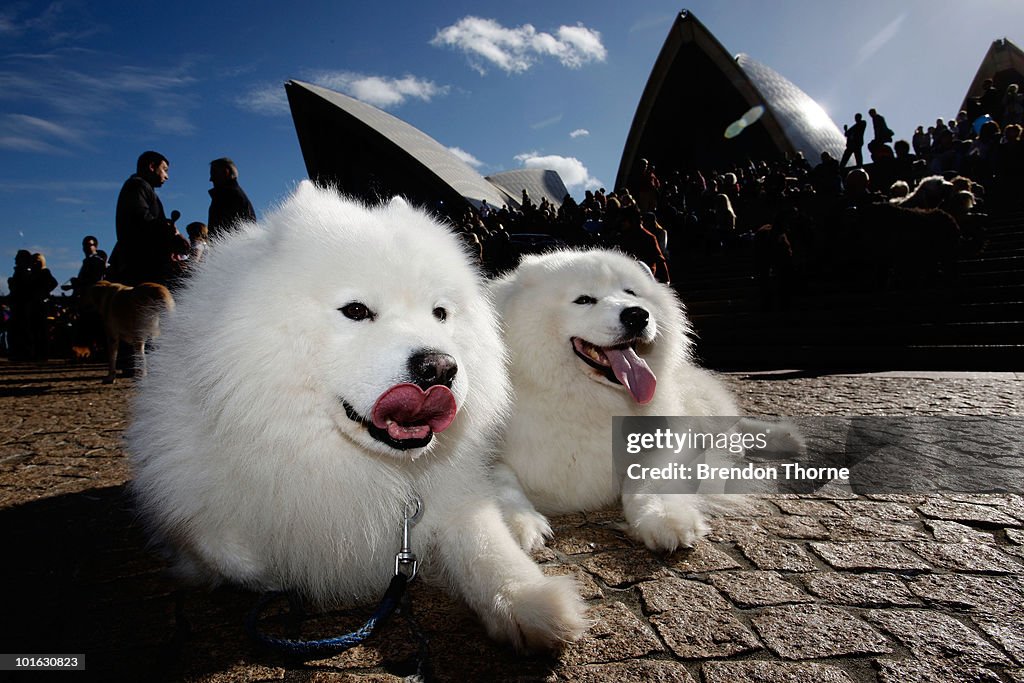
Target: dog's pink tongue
(408, 412)
(633, 373)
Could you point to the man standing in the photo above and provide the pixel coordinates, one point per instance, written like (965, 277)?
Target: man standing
(144, 234)
(854, 141)
(94, 268)
(883, 133)
(87, 332)
(228, 202)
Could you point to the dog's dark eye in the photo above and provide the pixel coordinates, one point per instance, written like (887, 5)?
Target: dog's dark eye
(440, 314)
(357, 311)
(630, 292)
(585, 300)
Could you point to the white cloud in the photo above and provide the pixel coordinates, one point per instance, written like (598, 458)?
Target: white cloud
(380, 91)
(880, 39)
(546, 122)
(572, 171)
(24, 133)
(265, 99)
(579, 133)
(515, 50)
(466, 156)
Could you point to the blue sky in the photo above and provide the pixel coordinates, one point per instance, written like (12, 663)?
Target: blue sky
(85, 86)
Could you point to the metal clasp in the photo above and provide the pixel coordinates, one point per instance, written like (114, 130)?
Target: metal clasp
(405, 561)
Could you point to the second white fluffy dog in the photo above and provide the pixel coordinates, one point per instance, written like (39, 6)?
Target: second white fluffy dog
(592, 335)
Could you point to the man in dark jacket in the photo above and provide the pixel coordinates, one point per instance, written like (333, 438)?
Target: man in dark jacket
(228, 201)
(854, 141)
(94, 268)
(144, 234)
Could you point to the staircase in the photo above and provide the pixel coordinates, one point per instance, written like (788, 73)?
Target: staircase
(972, 322)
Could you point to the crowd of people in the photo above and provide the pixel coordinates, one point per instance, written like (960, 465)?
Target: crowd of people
(149, 248)
(795, 218)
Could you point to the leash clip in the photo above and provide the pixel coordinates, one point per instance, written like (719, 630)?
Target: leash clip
(405, 561)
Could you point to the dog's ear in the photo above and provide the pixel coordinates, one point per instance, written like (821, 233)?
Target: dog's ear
(397, 202)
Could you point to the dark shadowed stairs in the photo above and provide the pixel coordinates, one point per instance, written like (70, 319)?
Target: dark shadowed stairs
(972, 322)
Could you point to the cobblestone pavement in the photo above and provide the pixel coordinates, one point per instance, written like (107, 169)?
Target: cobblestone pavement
(822, 587)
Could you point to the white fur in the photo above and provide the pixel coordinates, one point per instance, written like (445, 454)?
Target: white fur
(246, 463)
(929, 193)
(557, 445)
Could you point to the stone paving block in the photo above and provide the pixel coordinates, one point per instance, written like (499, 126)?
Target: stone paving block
(618, 569)
(611, 515)
(240, 673)
(588, 588)
(544, 555)
(911, 499)
(993, 594)
(747, 507)
(573, 519)
(732, 530)
(870, 529)
(696, 634)
(955, 532)
(704, 557)
(673, 593)
(931, 671)
(996, 499)
(794, 526)
(894, 512)
(861, 555)
(809, 508)
(615, 634)
(830, 491)
(777, 555)
(757, 588)
(967, 512)
(578, 540)
(633, 671)
(939, 636)
(968, 557)
(760, 671)
(813, 631)
(1007, 632)
(861, 590)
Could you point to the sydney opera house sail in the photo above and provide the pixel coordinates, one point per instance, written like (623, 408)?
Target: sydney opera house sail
(539, 183)
(372, 154)
(1003, 63)
(697, 88)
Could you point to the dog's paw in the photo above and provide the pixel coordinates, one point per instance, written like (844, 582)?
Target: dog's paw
(538, 616)
(530, 529)
(667, 523)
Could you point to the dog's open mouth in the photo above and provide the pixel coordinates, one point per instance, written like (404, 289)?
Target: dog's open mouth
(621, 365)
(406, 417)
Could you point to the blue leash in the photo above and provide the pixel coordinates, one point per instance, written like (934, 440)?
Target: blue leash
(406, 566)
(327, 647)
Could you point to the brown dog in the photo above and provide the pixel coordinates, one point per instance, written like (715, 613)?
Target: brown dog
(131, 315)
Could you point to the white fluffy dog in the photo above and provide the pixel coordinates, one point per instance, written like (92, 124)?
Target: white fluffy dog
(323, 368)
(592, 335)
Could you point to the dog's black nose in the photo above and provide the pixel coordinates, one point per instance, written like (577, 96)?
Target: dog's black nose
(432, 367)
(634, 319)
